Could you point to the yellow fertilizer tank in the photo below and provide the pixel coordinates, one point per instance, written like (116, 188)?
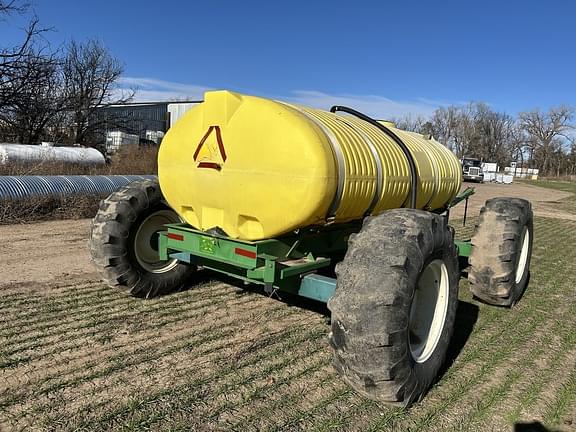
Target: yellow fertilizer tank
(258, 168)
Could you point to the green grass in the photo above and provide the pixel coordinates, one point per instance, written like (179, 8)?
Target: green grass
(567, 204)
(218, 358)
(565, 186)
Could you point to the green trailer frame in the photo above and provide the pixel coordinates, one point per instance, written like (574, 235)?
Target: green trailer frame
(299, 263)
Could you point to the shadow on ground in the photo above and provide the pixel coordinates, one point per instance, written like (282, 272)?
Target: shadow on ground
(535, 426)
(285, 297)
(466, 318)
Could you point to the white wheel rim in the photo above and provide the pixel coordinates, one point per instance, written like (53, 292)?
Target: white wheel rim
(428, 310)
(146, 241)
(525, 242)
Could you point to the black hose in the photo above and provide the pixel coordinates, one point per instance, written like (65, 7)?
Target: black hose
(397, 140)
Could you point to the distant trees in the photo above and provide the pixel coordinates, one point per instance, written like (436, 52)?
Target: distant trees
(546, 135)
(90, 74)
(53, 94)
(15, 71)
(543, 140)
(411, 123)
(37, 101)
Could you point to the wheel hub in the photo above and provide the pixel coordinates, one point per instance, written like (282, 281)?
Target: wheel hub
(428, 310)
(146, 241)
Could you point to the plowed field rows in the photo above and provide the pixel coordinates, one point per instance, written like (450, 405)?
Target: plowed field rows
(77, 355)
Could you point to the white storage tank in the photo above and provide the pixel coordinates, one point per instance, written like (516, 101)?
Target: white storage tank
(27, 153)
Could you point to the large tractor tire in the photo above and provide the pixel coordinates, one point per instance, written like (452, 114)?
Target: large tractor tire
(124, 242)
(501, 251)
(395, 304)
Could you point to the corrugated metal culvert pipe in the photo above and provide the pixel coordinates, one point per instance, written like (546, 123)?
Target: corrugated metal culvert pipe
(19, 187)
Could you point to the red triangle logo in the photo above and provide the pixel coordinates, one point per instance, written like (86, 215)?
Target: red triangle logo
(210, 163)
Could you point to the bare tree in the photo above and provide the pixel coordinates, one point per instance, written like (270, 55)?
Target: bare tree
(14, 60)
(410, 123)
(571, 160)
(38, 101)
(443, 126)
(542, 140)
(38, 90)
(28, 81)
(12, 7)
(90, 78)
(489, 133)
(547, 133)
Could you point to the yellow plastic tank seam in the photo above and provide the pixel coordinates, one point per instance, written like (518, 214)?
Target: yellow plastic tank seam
(335, 145)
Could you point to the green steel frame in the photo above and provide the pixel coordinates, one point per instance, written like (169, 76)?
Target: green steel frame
(292, 263)
(288, 263)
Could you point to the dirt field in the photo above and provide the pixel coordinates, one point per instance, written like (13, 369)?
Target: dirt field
(76, 355)
(544, 201)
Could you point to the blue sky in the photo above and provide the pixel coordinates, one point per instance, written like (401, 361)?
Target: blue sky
(387, 58)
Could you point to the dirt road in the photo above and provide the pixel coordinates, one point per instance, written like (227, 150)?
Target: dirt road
(542, 199)
(45, 251)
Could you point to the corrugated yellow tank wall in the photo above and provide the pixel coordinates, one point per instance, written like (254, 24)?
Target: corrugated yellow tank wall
(258, 168)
